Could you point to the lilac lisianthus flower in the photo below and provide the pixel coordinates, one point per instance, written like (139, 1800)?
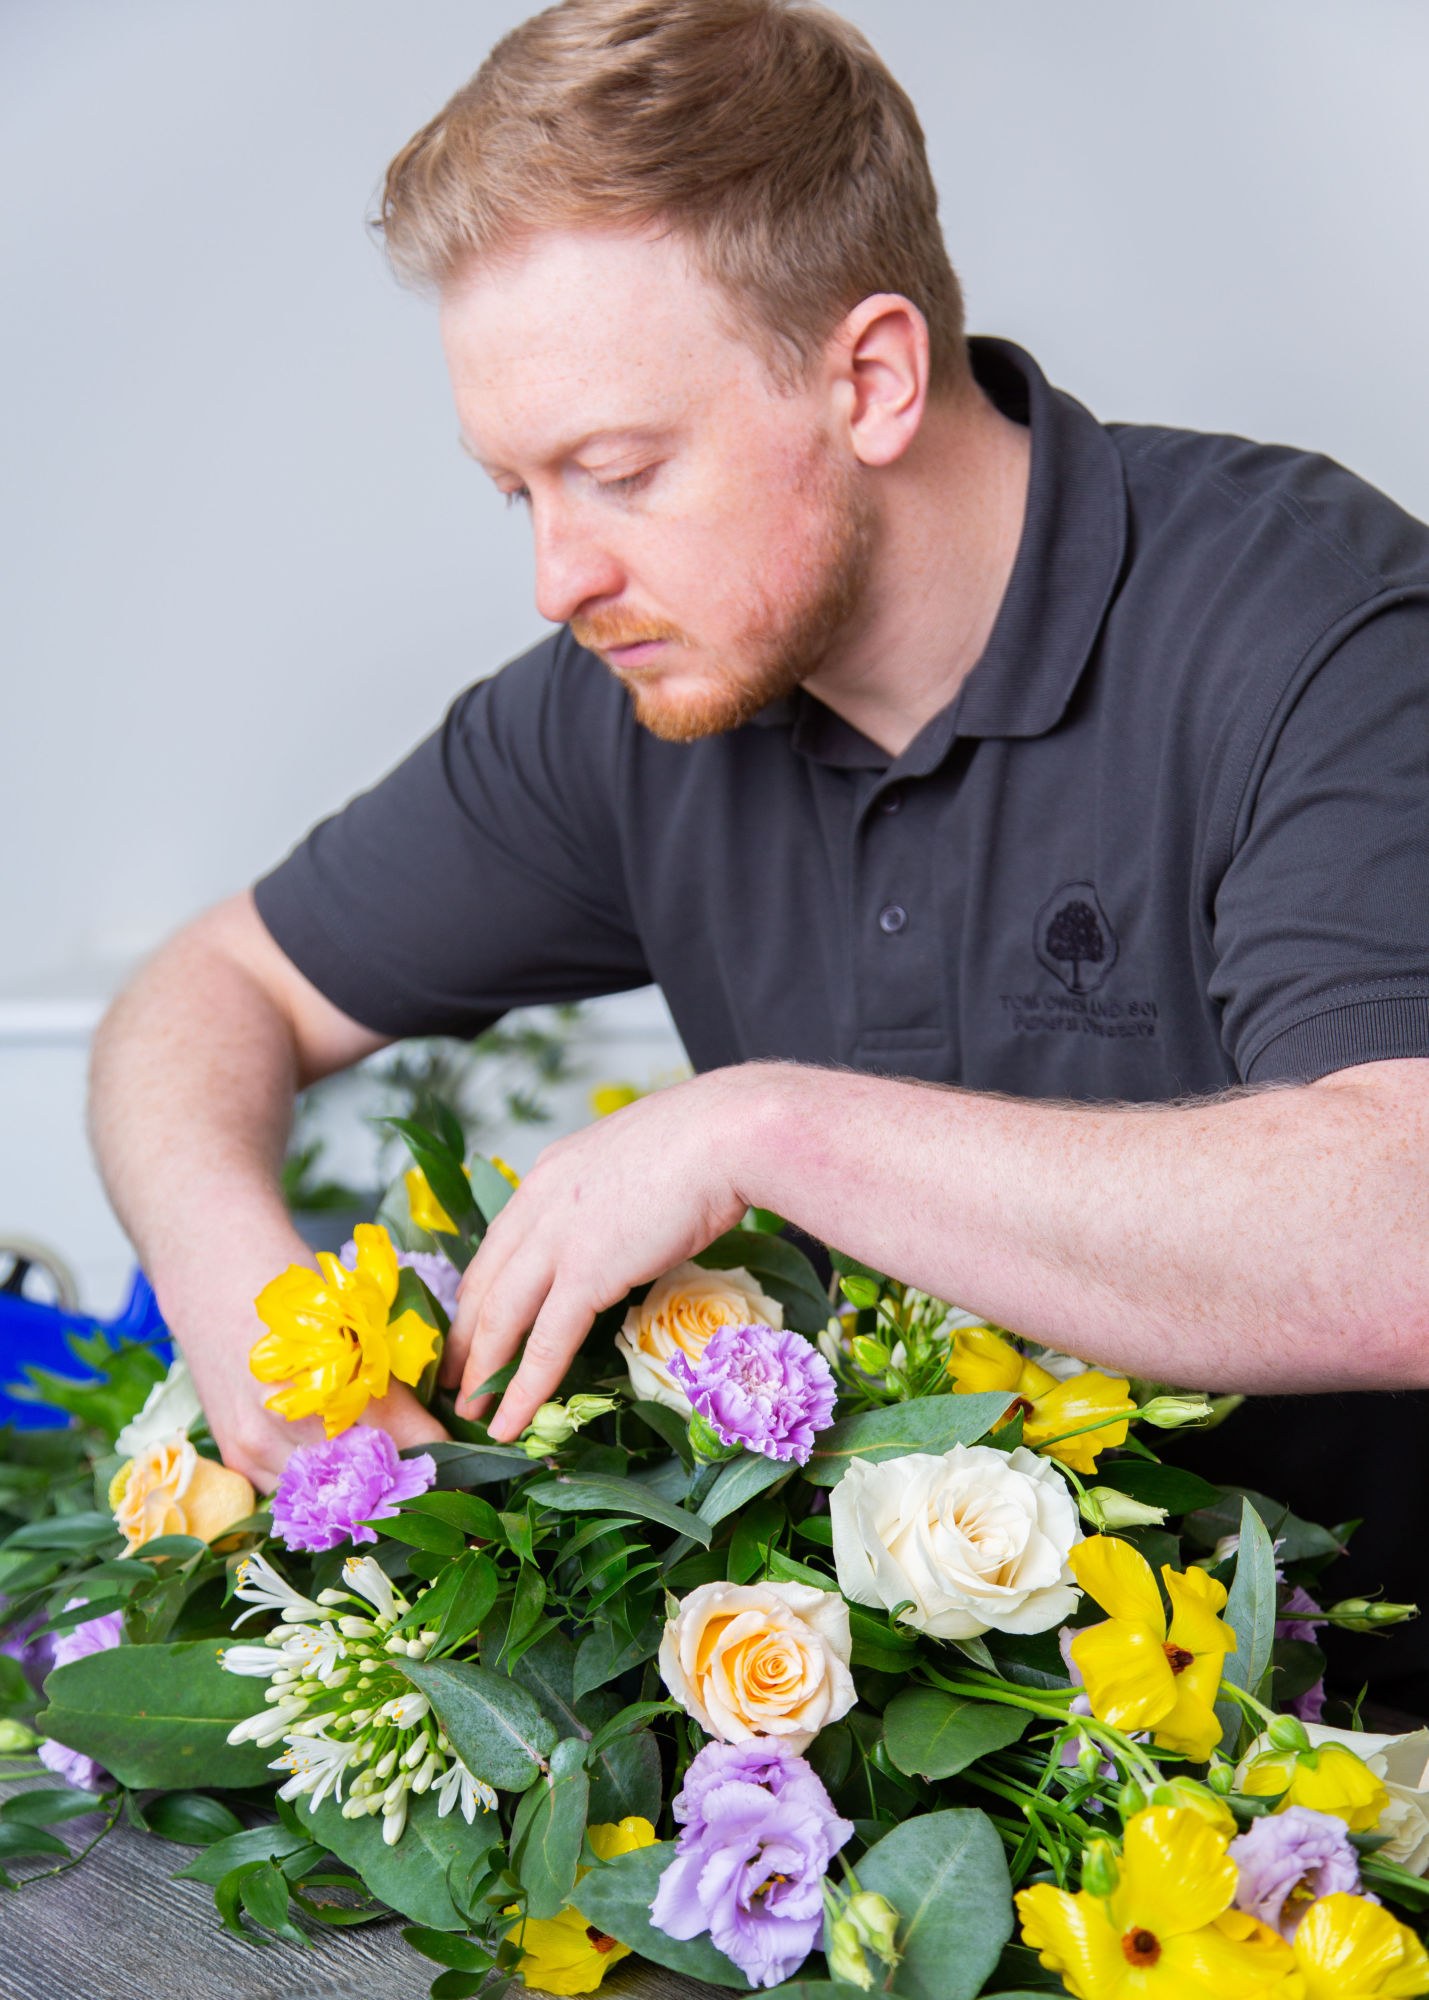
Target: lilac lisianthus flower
(327, 1491)
(91, 1635)
(1288, 1859)
(1300, 1617)
(32, 1651)
(759, 1832)
(761, 1387)
(440, 1276)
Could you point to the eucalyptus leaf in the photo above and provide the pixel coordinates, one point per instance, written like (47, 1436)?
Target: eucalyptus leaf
(1250, 1613)
(616, 1898)
(496, 1728)
(489, 1186)
(158, 1715)
(946, 1875)
(598, 1493)
(931, 1734)
(546, 1842)
(929, 1423)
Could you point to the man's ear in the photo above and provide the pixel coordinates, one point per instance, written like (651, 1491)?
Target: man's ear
(879, 355)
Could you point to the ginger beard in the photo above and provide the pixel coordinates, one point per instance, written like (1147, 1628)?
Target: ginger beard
(783, 636)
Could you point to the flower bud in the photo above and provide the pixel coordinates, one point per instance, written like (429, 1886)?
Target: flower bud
(1186, 1794)
(871, 1355)
(1367, 1614)
(555, 1424)
(1089, 1761)
(1221, 1777)
(1106, 1508)
(1172, 1413)
(1130, 1799)
(15, 1737)
(706, 1443)
(875, 1924)
(1100, 1873)
(859, 1291)
(847, 1964)
(1286, 1733)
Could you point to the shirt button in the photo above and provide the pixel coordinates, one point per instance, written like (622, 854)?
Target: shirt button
(891, 802)
(891, 918)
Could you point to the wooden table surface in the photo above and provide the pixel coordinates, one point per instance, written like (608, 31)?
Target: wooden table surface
(117, 1927)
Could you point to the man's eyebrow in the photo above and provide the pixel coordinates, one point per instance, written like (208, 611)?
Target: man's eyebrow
(605, 434)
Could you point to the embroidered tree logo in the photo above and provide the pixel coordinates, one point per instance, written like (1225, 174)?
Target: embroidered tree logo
(1074, 937)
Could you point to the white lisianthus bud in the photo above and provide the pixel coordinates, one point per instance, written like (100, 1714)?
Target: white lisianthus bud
(1173, 1413)
(1105, 1508)
(555, 1424)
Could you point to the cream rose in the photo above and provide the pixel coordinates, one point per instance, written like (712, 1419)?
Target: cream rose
(970, 1541)
(170, 1489)
(677, 1316)
(760, 1659)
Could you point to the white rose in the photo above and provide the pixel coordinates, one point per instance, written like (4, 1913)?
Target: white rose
(172, 1405)
(976, 1538)
(760, 1659)
(678, 1315)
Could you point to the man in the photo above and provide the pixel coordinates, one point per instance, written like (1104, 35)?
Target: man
(1025, 819)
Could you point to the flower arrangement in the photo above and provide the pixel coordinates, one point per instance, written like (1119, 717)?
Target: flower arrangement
(814, 1639)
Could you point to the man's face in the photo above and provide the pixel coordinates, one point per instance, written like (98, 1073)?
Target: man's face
(694, 523)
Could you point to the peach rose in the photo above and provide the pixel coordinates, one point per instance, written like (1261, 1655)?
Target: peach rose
(171, 1489)
(677, 1315)
(760, 1659)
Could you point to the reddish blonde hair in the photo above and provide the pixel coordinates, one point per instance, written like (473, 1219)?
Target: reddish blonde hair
(765, 133)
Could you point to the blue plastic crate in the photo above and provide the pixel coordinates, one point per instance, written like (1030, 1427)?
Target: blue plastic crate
(34, 1335)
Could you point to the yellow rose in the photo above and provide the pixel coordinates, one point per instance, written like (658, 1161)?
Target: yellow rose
(171, 1489)
(679, 1314)
(760, 1659)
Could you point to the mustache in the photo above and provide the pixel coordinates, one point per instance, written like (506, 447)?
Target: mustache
(605, 631)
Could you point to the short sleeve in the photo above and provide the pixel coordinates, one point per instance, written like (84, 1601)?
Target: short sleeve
(1321, 924)
(484, 872)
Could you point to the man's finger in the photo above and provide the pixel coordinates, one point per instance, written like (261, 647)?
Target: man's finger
(492, 1256)
(561, 1325)
(510, 1305)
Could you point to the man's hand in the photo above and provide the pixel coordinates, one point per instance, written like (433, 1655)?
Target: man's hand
(610, 1207)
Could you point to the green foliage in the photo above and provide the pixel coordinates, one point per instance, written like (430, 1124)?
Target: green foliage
(157, 1715)
(616, 1898)
(931, 1734)
(498, 1731)
(121, 1374)
(932, 1423)
(1250, 1613)
(946, 1875)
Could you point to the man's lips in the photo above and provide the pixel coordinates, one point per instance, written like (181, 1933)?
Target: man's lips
(639, 653)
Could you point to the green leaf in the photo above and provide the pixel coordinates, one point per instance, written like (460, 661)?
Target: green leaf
(546, 1837)
(240, 1850)
(191, 1818)
(616, 1898)
(1300, 1541)
(599, 1493)
(263, 1892)
(667, 1424)
(935, 1735)
(739, 1482)
(489, 1185)
(158, 1715)
(76, 1532)
(412, 1875)
(460, 1953)
(625, 1778)
(467, 1512)
(779, 1269)
(463, 1465)
(1156, 1485)
(18, 1841)
(48, 1806)
(422, 1531)
(498, 1731)
(1250, 1613)
(945, 1874)
(929, 1423)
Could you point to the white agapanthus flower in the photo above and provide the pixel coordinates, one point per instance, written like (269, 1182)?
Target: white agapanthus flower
(317, 1763)
(260, 1586)
(457, 1787)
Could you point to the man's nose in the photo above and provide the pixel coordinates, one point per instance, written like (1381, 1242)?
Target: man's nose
(573, 566)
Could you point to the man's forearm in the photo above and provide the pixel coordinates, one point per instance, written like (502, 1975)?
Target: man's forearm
(1276, 1239)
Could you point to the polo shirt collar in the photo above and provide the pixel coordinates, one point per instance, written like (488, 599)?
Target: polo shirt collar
(1063, 579)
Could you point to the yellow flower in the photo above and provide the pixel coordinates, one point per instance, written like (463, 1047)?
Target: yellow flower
(1349, 1949)
(608, 1097)
(332, 1338)
(1139, 1674)
(1328, 1779)
(171, 1489)
(427, 1211)
(981, 1359)
(565, 1954)
(1167, 1928)
(505, 1169)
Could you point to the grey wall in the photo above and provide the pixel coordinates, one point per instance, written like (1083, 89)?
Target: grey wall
(243, 562)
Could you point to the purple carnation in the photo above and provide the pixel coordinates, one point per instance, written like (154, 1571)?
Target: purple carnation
(1287, 1859)
(440, 1276)
(757, 1386)
(759, 1832)
(327, 1491)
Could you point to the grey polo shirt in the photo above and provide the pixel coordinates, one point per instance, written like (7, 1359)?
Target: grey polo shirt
(1172, 834)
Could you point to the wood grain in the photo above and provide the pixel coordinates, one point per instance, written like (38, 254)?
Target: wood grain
(119, 1927)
